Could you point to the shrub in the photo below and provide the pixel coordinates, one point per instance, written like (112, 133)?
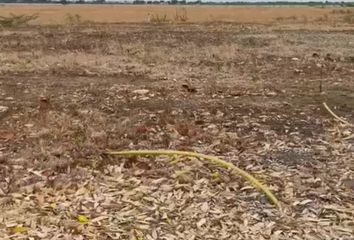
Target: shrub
(17, 20)
(156, 18)
(73, 19)
(181, 15)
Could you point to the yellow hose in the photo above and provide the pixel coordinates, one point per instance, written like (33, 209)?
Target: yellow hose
(210, 159)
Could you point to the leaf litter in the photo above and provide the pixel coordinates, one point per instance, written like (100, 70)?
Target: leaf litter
(57, 182)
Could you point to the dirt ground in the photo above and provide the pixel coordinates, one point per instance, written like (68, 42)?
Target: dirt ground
(251, 94)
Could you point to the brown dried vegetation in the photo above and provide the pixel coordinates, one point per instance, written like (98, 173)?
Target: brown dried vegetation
(248, 93)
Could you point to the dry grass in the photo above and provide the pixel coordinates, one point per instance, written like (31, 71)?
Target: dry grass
(250, 94)
(57, 14)
(16, 20)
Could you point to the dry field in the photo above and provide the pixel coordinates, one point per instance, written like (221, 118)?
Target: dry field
(249, 93)
(57, 14)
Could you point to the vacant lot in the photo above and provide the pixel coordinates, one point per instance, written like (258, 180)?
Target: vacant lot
(251, 94)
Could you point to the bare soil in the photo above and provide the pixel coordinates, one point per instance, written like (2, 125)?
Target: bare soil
(251, 94)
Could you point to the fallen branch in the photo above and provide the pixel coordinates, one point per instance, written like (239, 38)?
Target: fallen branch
(335, 115)
(210, 159)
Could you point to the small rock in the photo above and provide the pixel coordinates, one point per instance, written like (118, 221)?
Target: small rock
(9, 98)
(295, 59)
(29, 125)
(3, 109)
(141, 91)
(297, 70)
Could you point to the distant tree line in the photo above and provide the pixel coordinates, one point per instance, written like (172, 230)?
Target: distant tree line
(182, 2)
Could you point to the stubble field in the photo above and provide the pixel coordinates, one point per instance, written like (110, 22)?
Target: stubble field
(250, 93)
(58, 14)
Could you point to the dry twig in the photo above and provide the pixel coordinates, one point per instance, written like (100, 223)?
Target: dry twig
(335, 115)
